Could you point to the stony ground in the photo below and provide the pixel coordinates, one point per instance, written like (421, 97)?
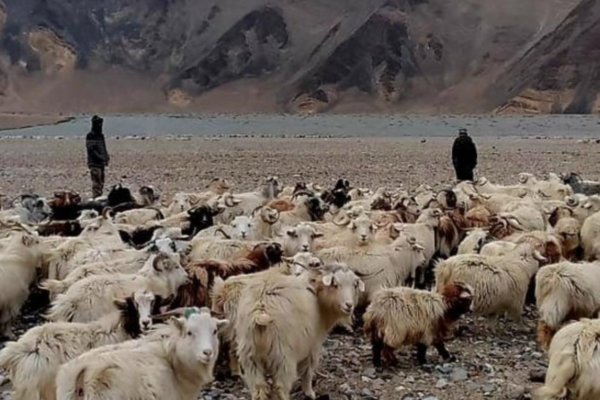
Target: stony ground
(495, 361)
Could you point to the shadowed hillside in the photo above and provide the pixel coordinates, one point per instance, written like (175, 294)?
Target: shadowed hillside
(299, 55)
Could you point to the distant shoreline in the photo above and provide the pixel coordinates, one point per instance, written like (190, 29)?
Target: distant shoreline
(287, 125)
(12, 122)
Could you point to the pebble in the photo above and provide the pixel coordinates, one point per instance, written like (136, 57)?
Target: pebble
(366, 393)
(459, 375)
(442, 383)
(488, 388)
(370, 373)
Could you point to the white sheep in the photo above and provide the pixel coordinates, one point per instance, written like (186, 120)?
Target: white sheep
(256, 228)
(93, 297)
(270, 345)
(499, 283)
(565, 291)
(568, 230)
(474, 241)
(574, 366)
(402, 316)
(139, 216)
(381, 266)
(19, 261)
(32, 362)
(498, 248)
(590, 237)
(174, 363)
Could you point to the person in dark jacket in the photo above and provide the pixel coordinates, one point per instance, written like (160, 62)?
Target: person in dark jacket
(464, 156)
(97, 155)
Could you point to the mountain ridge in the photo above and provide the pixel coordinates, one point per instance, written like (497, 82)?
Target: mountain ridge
(299, 56)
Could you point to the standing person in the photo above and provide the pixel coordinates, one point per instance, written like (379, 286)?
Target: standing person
(97, 155)
(464, 156)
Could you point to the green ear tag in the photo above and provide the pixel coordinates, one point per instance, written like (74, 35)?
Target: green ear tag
(189, 311)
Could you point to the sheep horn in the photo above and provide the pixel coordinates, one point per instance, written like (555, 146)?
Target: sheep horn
(345, 221)
(229, 201)
(220, 230)
(363, 275)
(106, 213)
(514, 222)
(382, 225)
(572, 201)
(302, 193)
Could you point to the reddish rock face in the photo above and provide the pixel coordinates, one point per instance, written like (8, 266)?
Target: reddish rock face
(303, 56)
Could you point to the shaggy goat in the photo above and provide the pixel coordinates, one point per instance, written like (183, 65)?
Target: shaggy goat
(402, 316)
(269, 341)
(93, 297)
(564, 292)
(33, 362)
(174, 363)
(574, 367)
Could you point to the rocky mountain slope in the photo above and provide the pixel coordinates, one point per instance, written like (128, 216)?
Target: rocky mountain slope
(304, 56)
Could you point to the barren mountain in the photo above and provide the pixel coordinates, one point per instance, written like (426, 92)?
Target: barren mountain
(535, 56)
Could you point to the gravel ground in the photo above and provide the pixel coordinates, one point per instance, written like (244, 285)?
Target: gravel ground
(495, 360)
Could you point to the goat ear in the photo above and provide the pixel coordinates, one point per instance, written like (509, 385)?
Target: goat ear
(328, 280)
(361, 286)
(222, 323)
(179, 323)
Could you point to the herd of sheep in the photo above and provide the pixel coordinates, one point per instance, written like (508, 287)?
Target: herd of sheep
(144, 295)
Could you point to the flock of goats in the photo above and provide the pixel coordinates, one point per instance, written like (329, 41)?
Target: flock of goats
(146, 294)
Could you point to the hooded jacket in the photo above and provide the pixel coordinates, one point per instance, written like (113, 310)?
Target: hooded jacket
(97, 155)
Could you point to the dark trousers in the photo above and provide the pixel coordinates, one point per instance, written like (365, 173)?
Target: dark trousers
(97, 174)
(464, 174)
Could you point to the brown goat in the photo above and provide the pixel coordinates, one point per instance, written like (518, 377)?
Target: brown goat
(478, 217)
(202, 274)
(451, 231)
(282, 205)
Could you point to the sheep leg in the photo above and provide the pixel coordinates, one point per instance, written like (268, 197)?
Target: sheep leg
(284, 379)
(389, 357)
(256, 381)
(234, 363)
(544, 334)
(441, 349)
(377, 347)
(307, 373)
(422, 354)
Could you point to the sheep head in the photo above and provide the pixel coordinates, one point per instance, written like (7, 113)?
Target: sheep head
(197, 341)
(338, 288)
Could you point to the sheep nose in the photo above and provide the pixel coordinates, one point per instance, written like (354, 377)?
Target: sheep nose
(363, 237)
(208, 353)
(146, 324)
(305, 247)
(348, 306)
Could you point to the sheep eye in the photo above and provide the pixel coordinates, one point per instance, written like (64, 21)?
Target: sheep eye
(356, 284)
(215, 332)
(189, 333)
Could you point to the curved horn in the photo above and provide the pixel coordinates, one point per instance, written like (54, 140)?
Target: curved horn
(107, 213)
(572, 201)
(220, 230)
(363, 275)
(302, 193)
(229, 201)
(514, 222)
(344, 222)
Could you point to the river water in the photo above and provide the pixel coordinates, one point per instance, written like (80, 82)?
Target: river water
(326, 125)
